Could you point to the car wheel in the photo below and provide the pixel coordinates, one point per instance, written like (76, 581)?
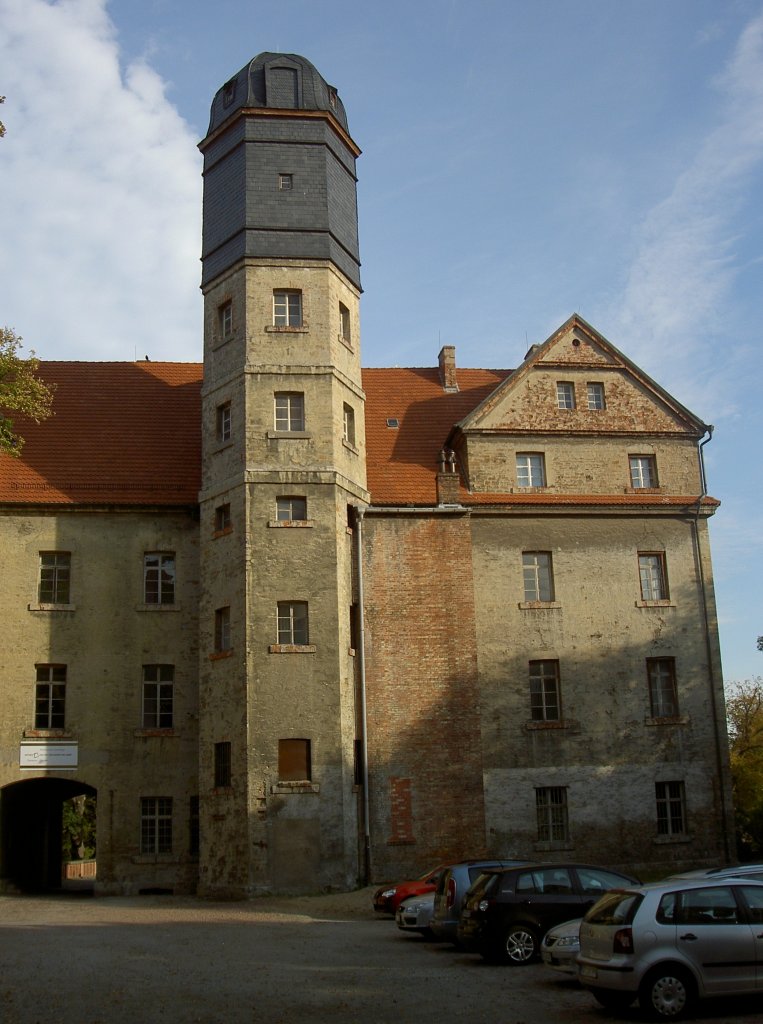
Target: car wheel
(520, 945)
(612, 999)
(666, 993)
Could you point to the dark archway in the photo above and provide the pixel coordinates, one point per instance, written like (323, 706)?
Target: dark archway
(31, 815)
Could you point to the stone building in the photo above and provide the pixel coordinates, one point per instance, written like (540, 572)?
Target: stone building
(295, 625)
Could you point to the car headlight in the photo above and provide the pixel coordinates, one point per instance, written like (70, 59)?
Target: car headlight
(388, 892)
(568, 940)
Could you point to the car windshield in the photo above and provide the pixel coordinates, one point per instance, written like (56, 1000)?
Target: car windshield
(615, 908)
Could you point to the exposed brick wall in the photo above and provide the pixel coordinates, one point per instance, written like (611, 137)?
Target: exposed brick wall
(425, 749)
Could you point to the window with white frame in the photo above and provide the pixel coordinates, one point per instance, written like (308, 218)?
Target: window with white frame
(545, 701)
(538, 577)
(223, 422)
(292, 623)
(225, 320)
(222, 630)
(348, 424)
(287, 308)
(291, 508)
(595, 395)
(50, 697)
(285, 182)
(653, 576)
(344, 323)
(156, 824)
(531, 470)
(159, 578)
(158, 696)
(289, 411)
(643, 471)
(671, 808)
(551, 810)
(663, 694)
(294, 762)
(55, 577)
(565, 394)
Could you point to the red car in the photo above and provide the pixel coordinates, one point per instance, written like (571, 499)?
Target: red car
(388, 897)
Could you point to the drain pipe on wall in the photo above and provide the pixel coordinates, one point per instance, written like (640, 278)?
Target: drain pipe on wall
(361, 654)
(708, 648)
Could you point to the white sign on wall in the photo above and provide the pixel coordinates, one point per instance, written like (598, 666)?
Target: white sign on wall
(53, 754)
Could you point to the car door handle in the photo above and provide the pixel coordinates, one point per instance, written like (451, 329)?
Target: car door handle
(690, 937)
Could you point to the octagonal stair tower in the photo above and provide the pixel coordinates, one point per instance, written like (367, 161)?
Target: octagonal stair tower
(283, 459)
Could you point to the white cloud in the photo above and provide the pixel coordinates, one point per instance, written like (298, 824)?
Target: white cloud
(101, 193)
(671, 313)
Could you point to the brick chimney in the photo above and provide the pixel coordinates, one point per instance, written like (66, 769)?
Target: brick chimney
(448, 479)
(447, 360)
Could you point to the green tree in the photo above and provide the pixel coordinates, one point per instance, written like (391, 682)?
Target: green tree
(744, 708)
(78, 837)
(21, 390)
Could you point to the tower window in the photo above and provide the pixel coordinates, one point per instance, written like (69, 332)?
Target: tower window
(222, 630)
(348, 424)
(50, 697)
(223, 422)
(344, 323)
(291, 508)
(289, 411)
(294, 760)
(292, 623)
(225, 316)
(285, 182)
(287, 309)
(223, 774)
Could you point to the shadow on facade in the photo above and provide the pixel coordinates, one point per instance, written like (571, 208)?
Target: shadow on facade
(31, 819)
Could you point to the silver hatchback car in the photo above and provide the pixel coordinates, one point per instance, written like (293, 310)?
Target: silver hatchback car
(673, 942)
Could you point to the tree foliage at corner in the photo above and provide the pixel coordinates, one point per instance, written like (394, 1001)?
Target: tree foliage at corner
(744, 708)
(21, 390)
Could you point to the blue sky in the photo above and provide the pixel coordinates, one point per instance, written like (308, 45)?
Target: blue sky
(521, 161)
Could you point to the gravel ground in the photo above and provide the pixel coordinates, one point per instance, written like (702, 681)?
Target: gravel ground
(317, 959)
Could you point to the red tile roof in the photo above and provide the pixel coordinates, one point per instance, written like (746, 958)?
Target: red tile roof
(121, 433)
(130, 434)
(402, 462)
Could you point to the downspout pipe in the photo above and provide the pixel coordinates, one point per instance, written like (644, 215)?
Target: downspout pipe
(730, 854)
(361, 656)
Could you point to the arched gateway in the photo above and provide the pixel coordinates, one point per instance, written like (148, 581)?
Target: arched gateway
(31, 827)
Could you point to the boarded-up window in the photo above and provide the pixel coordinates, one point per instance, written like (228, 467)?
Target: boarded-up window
(294, 761)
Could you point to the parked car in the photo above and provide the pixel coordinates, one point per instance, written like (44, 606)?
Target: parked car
(738, 870)
(388, 897)
(673, 941)
(561, 945)
(451, 891)
(415, 914)
(506, 912)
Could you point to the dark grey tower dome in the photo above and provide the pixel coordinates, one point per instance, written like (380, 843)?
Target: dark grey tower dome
(282, 81)
(279, 170)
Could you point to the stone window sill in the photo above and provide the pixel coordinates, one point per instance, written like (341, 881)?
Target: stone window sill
(350, 446)
(538, 605)
(220, 655)
(154, 732)
(157, 607)
(668, 840)
(664, 603)
(291, 523)
(345, 341)
(48, 734)
(295, 787)
(52, 607)
(292, 649)
(222, 533)
(644, 490)
(286, 329)
(552, 724)
(156, 858)
(667, 720)
(289, 435)
(221, 446)
(543, 845)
